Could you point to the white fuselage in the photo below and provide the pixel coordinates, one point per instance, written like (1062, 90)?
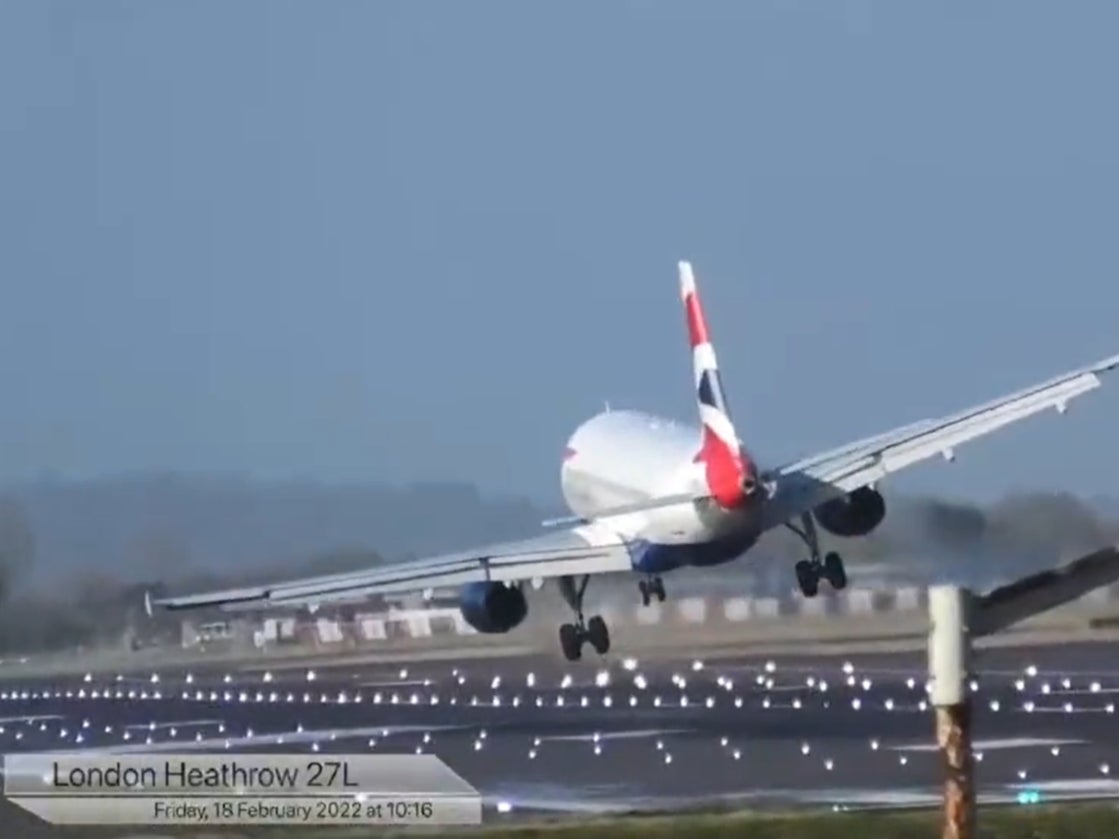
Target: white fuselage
(623, 457)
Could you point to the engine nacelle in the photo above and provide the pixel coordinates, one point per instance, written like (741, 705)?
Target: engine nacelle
(855, 514)
(493, 607)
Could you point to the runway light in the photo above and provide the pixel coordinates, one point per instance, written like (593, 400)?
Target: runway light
(667, 758)
(1095, 687)
(1028, 705)
(504, 807)
(903, 760)
(630, 664)
(911, 683)
(602, 678)
(1029, 796)
(995, 705)
(1105, 769)
(530, 680)
(979, 757)
(1031, 671)
(848, 668)
(738, 702)
(311, 675)
(532, 754)
(1020, 685)
(1055, 751)
(805, 748)
(796, 703)
(874, 745)
(889, 704)
(1067, 684)
(737, 754)
(697, 665)
(1045, 688)
(404, 673)
(770, 667)
(495, 683)
(829, 764)
(856, 703)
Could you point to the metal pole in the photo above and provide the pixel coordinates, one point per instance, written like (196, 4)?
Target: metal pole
(949, 657)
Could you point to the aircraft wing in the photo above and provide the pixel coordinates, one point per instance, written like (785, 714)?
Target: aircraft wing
(841, 470)
(588, 549)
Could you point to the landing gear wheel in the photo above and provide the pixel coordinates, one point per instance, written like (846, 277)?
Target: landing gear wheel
(834, 572)
(598, 635)
(650, 588)
(571, 641)
(808, 578)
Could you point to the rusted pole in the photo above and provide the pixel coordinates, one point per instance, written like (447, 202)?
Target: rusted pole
(953, 735)
(949, 657)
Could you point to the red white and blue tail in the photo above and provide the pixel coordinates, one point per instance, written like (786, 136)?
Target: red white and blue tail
(730, 472)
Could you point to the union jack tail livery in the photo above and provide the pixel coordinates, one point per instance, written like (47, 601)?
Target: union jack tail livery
(730, 471)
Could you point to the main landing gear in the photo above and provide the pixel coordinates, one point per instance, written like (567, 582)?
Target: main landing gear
(650, 588)
(573, 635)
(810, 571)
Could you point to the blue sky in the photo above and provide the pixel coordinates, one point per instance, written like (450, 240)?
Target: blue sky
(402, 241)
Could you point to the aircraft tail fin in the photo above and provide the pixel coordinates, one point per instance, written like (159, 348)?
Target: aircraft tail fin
(731, 473)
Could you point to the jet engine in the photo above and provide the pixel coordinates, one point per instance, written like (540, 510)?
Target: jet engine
(493, 607)
(854, 514)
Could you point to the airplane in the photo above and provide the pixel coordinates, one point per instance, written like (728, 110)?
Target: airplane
(649, 495)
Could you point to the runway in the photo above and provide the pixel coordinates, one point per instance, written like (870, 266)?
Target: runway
(536, 734)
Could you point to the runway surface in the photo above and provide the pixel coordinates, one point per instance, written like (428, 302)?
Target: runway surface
(535, 734)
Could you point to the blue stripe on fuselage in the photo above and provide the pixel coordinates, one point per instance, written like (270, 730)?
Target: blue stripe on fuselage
(653, 558)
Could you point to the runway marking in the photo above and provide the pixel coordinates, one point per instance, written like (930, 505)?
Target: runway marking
(1072, 785)
(149, 726)
(261, 739)
(32, 718)
(991, 745)
(618, 735)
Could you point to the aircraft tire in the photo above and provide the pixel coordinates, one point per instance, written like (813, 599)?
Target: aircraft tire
(808, 578)
(834, 571)
(571, 641)
(599, 635)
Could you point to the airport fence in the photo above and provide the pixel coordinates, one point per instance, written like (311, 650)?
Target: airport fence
(373, 626)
